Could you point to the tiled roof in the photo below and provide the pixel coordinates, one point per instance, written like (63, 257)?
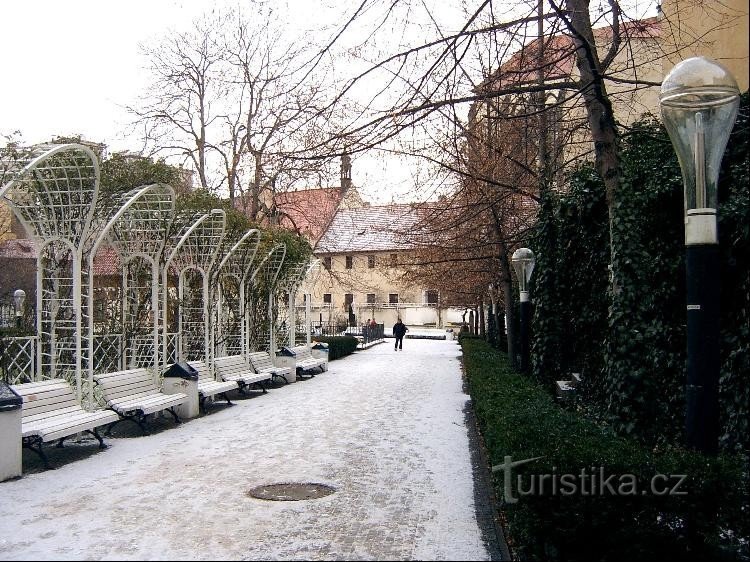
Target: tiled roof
(106, 262)
(559, 51)
(308, 211)
(18, 248)
(369, 229)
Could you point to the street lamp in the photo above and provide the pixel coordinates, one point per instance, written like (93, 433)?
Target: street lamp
(18, 297)
(699, 102)
(523, 264)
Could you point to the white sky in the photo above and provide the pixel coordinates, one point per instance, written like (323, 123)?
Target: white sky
(70, 67)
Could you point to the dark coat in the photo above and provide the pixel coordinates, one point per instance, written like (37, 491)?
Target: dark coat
(399, 329)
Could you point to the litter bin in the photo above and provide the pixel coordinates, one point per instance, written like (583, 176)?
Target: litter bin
(319, 350)
(10, 432)
(285, 357)
(181, 377)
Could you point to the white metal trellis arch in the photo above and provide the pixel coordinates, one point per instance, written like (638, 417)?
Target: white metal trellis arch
(291, 286)
(193, 255)
(53, 190)
(236, 268)
(263, 279)
(136, 233)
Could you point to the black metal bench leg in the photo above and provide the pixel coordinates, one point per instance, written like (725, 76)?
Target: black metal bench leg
(174, 415)
(225, 396)
(95, 433)
(60, 442)
(202, 403)
(35, 444)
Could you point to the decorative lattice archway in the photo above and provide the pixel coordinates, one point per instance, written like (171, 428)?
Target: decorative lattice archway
(230, 288)
(135, 232)
(289, 316)
(53, 190)
(262, 318)
(191, 259)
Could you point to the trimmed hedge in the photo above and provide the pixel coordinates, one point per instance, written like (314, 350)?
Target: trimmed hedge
(519, 418)
(338, 346)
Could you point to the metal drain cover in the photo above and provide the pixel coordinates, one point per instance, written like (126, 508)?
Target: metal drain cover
(291, 492)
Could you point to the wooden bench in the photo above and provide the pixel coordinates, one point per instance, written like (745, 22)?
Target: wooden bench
(208, 386)
(306, 363)
(134, 395)
(234, 368)
(50, 411)
(261, 363)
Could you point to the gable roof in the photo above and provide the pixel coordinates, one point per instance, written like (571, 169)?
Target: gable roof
(559, 55)
(369, 229)
(308, 211)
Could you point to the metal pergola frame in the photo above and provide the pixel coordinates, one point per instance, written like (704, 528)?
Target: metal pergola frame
(195, 251)
(237, 267)
(135, 232)
(267, 273)
(53, 191)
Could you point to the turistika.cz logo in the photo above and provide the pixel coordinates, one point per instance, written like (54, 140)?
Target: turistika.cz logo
(592, 481)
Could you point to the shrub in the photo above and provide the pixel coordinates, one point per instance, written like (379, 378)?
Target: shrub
(518, 417)
(338, 346)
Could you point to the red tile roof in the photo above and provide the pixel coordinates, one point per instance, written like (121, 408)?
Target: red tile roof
(559, 51)
(308, 211)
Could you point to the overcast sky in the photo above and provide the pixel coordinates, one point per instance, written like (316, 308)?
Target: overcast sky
(70, 67)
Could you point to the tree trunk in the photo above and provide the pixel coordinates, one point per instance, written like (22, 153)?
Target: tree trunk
(598, 106)
(482, 330)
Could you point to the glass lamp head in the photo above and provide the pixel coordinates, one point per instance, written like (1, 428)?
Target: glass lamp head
(523, 263)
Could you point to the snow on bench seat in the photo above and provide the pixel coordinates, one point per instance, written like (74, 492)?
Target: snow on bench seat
(234, 368)
(261, 363)
(51, 411)
(208, 386)
(134, 395)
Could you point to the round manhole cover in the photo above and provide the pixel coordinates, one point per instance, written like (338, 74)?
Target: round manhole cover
(291, 492)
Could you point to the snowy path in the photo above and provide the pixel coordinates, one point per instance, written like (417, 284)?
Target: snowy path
(385, 429)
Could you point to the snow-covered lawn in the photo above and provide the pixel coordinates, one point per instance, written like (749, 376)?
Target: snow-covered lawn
(385, 428)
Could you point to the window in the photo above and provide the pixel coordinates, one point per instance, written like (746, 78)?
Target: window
(349, 262)
(348, 299)
(393, 298)
(326, 298)
(371, 262)
(432, 297)
(327, 262)
(394, 260)
(370, 298)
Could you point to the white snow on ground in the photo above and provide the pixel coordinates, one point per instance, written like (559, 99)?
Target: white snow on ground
(385, 428)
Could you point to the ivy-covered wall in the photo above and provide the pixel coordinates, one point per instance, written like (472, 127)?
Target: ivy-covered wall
(627, 337)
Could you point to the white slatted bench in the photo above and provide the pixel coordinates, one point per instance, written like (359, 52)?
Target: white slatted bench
(134, 395)
(261, 363)
(209, 386)
(306, 363)
(234, 368)
(50, 411)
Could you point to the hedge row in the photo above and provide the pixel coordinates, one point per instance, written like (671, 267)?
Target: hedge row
(519, 418)
(338, 346)
(627, 336)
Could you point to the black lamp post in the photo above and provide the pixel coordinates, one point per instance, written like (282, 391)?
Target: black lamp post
(18, 297)
(699, 102)
(523, 264)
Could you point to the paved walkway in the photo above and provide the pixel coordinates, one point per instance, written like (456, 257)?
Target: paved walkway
(386, 429)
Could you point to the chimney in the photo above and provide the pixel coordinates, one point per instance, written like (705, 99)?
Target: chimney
(346, 172)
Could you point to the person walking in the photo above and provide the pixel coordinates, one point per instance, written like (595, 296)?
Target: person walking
(399, 331)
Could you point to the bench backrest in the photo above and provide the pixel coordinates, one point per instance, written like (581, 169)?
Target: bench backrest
(231, 365)
(302, 352)
(261, 360)
(132, 382)
(43, 398)
(204, 373)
